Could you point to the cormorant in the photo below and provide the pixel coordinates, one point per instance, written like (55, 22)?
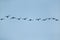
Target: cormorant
(1, 19)
(38, 19)
(24, 18)
(13, 17)
(49, 18)
(18, 18)
(30, 19)
(7, 16)
(44, 19)
(55, 19)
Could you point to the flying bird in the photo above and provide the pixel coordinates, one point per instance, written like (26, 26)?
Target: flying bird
(53, 18)
(44, 19)
(24, 18)
(18, 18)
(7, 16)
(1, 19)
(49, 18)
(38, 19)
(13, 17)
(56, 20)
(30, 19)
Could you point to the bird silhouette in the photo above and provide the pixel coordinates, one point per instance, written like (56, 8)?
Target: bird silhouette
(18, 18)
(24, 18)
(49, 18)
(44, 19)
(2, 19)
(13, 18)
(38, 19)
(53, 18)
(7, 16)
(56, 20)
(30, 20)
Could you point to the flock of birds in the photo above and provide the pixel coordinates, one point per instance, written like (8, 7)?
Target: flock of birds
(37, 19)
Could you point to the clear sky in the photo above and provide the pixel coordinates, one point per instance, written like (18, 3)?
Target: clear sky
(30, 30)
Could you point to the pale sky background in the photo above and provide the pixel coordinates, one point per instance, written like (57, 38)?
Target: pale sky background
(25, 30)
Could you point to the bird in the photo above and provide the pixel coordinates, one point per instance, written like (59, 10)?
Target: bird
(1, 19)
(13, 17)
(30, 19)
(38, 19)
(56, 20)
(7, 16)
(53, 18)
(44, 19)
(24, 18)
(18, 18)
(49, 18)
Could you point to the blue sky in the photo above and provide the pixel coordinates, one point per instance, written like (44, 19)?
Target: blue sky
(25, 30)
